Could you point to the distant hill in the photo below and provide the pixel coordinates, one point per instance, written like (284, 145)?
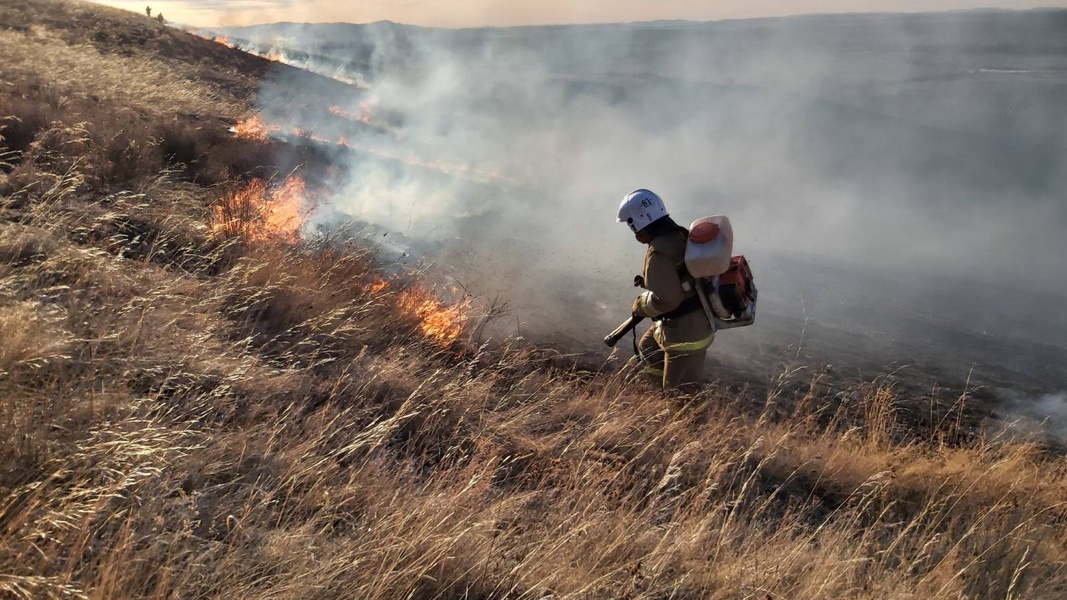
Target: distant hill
(1030, 29)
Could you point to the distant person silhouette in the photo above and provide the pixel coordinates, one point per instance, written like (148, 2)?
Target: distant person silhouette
(148, 11)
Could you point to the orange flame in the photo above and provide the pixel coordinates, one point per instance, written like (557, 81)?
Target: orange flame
(224, 40)
(274, 56)
(439, 321)
(257, 214)
(364, 116)
(288, 207)
(442, 322)
(254, 128)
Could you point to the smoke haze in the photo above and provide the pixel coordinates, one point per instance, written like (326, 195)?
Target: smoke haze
(895, 180)
(468, 13)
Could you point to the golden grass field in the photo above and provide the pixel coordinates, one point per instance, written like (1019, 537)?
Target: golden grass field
(187, 415)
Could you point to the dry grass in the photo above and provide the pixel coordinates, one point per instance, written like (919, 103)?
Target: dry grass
(186, 417)
(83, 73)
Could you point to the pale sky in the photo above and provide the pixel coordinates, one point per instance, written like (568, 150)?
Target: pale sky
(468, 13)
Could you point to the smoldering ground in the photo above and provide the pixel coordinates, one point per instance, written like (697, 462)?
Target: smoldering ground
(896, 181)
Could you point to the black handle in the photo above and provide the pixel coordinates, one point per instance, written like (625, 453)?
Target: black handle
(627, 326)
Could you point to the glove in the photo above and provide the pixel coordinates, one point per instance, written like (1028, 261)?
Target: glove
(640, 307)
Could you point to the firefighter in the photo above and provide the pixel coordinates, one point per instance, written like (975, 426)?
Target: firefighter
(674, 348)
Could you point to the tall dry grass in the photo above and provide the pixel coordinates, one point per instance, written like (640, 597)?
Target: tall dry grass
(277, 430)
(82, 72)
(189, 417)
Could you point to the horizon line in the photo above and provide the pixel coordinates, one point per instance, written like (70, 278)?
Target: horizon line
(655, 21)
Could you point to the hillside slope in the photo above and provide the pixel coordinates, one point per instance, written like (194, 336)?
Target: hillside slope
(198, 404)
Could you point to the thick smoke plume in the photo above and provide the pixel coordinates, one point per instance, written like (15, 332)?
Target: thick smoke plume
(897, 178)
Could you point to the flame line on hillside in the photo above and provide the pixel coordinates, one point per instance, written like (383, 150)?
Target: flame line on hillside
(279, 56)
(455, 170)
(256, 128)
(364, 117)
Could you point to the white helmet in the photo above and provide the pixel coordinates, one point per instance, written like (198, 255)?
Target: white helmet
(640, 208)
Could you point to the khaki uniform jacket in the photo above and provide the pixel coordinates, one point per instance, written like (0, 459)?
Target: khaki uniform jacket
(663, 273)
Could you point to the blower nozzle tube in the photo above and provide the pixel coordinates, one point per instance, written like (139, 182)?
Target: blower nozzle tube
(627, 326)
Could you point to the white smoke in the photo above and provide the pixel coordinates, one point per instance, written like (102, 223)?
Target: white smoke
(875, 160)
(1044, 414)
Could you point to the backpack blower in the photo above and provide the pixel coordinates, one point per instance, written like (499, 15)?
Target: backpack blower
(724, 283)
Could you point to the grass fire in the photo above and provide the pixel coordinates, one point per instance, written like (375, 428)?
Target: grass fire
(441, 322)
(205, 394)
(254, 128)
(259, 213)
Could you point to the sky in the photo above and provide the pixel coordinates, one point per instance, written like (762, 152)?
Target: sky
(475, 13)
